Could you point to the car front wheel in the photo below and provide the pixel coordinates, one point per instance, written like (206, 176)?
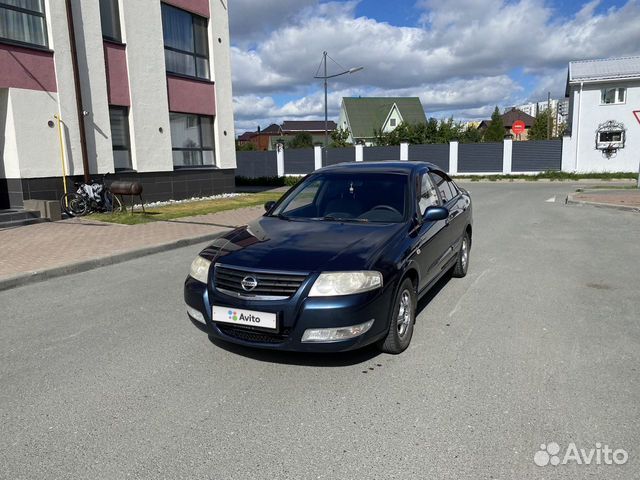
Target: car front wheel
(402, 320)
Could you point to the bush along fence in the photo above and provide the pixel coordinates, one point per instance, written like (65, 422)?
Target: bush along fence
(505, 157)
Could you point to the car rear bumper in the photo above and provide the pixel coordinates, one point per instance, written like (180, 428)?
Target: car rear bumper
(294, 316)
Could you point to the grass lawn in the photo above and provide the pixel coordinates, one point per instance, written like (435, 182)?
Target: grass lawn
(189, 209)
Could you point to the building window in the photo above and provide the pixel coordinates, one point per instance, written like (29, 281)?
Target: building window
(23, 21)
(186, 49)
(613, 95)
(120, 143)
(192, 140)
(392, 122)
(110, 19)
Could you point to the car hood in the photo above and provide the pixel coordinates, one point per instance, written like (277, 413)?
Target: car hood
(307, 245)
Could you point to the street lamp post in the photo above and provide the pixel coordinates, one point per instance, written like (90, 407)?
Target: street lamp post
(325, 77)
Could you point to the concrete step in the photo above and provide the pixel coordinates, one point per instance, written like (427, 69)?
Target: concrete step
(22, 222)
(17, 214)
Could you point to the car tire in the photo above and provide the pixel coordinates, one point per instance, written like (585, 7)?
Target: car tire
(462, 263)
(403, 317)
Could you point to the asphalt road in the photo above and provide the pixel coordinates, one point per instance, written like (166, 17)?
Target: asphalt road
(103, 376)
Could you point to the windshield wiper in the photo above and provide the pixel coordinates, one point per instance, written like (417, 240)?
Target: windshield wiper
(340, 219)
(281, 217)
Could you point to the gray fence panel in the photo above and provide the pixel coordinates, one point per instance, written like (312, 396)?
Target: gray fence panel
(376, 154)
(480, 157)
(436, 153)
(331, 156)
(256, 164)
(299, 161)
(537, 156)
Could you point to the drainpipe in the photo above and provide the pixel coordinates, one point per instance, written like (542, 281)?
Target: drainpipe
(578, 125)
(78, 92)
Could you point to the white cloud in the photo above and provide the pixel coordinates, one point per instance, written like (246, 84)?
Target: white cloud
(461, 58)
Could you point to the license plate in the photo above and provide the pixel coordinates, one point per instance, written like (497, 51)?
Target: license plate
(241, 316)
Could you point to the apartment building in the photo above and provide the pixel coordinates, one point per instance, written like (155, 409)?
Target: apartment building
(142, 89)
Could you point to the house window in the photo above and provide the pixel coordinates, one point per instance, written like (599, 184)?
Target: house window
(392, 122)
(23, 21)
(613, 95)
(192, 140)
(186, 49)
(110, 19)
(119, 119)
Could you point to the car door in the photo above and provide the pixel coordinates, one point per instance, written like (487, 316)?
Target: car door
(431, 245)
(451, 198)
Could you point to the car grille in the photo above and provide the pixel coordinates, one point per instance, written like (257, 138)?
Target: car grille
(254, 336)
(269, 284)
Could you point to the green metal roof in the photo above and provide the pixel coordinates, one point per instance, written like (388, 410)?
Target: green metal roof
(369, 113)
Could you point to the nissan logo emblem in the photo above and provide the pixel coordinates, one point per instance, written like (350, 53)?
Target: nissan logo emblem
(249, 283)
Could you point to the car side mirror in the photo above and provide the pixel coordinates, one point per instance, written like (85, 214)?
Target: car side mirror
(436, 213)
(269, 205)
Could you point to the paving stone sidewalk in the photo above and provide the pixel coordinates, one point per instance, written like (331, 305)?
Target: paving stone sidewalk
(46, 246)
(614, 198)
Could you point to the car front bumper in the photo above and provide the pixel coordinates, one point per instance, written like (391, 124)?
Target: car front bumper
(294, 316)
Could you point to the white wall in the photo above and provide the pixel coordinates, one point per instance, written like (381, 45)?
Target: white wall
(219, 47)
(588, 114)
(31, 147)
(150, 148)
(395, 115)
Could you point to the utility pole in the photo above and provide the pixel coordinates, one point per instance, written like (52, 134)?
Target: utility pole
(326, 115)
(548, 115)
(326, 77)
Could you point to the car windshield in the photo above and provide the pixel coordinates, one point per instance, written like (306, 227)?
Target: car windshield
(348, 197)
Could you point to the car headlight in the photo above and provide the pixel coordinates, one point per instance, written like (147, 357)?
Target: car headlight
(330, 284)
(200, 269)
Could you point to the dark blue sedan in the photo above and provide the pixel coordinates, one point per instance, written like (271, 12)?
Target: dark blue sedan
(337, 263)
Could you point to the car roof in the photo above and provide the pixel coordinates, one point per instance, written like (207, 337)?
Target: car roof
(388, 166)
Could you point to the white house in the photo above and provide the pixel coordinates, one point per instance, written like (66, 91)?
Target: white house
(604, 131)
(142, 88)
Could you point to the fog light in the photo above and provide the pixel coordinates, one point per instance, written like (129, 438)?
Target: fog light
(195, 314)
(335, 334)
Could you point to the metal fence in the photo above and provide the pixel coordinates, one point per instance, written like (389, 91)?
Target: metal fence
(537, 156)
(437, 154)
(530, 156)
(480, 157)
(256, 164)
(299, 161)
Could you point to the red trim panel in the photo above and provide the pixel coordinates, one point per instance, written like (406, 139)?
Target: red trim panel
(191, 96)
(115, 60)
(199, 7)
(25, 68)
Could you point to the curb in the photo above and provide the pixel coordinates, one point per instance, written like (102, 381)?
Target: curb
(571, 201)
(39, 276)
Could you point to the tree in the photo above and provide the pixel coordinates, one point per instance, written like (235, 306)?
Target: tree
(470, 135)
(495, 131)
(339, 138)
(301, 140)
(539, 130)
(245, 147)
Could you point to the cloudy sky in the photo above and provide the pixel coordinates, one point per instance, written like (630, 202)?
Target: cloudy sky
(461, 57)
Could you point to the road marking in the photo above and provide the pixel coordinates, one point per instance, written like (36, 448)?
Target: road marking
(551, 200)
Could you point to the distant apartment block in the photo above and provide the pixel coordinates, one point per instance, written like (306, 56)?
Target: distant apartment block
(148, 81)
